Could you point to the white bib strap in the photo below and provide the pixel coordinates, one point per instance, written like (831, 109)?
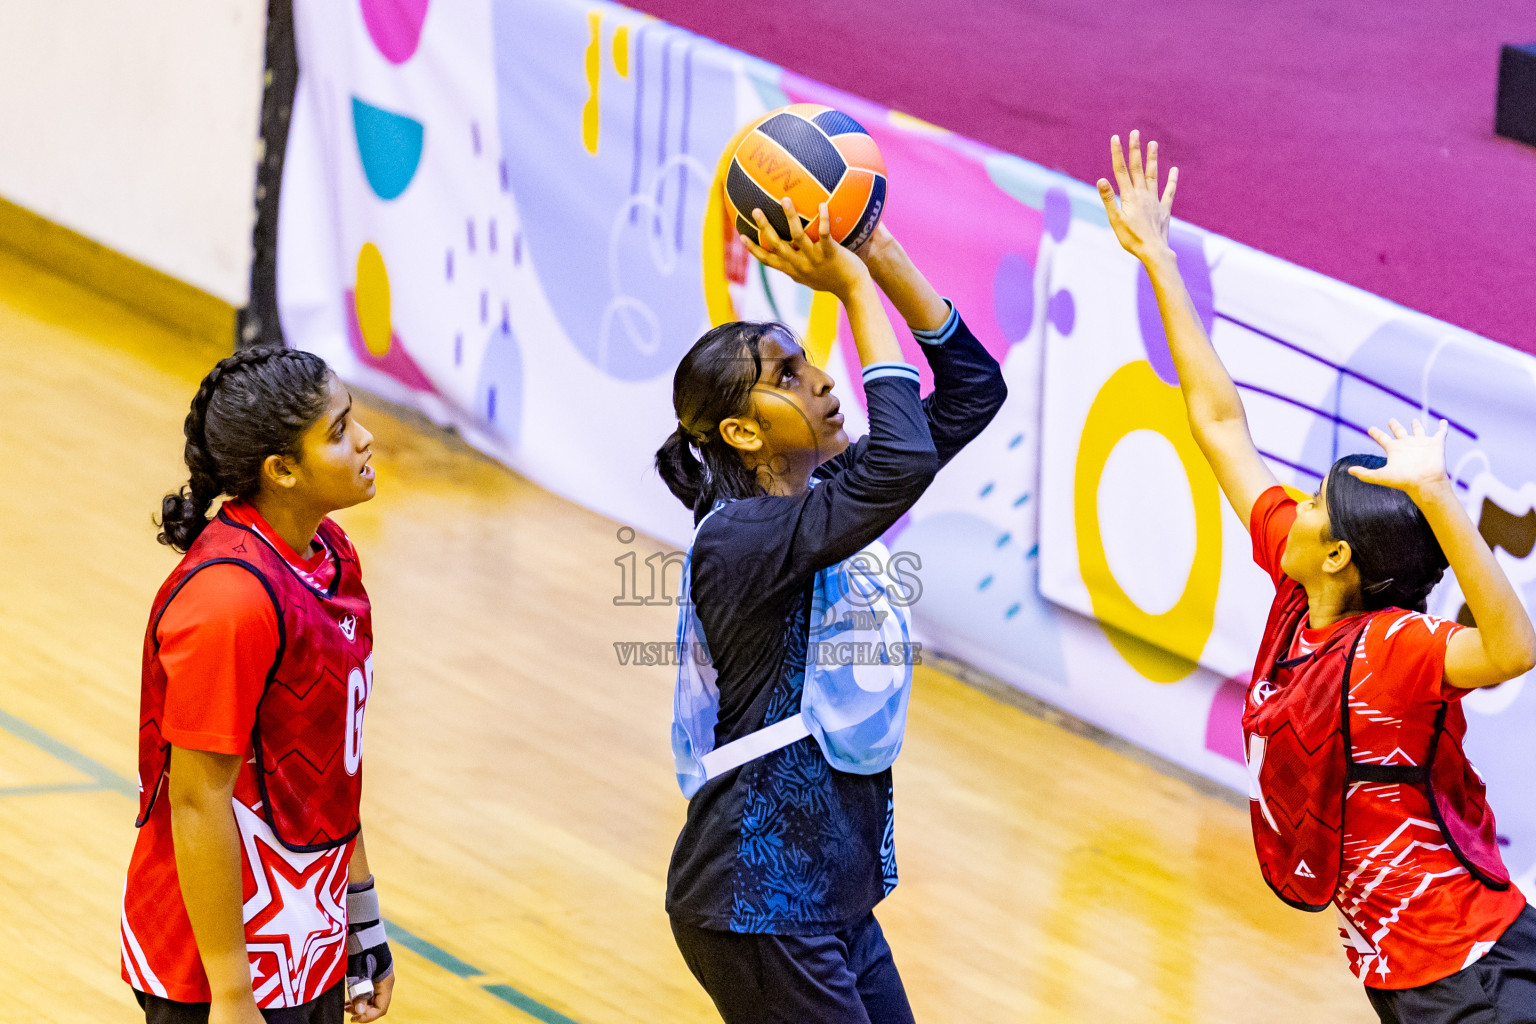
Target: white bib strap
(754, 745)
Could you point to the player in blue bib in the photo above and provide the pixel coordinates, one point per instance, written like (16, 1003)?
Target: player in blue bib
(792, 693)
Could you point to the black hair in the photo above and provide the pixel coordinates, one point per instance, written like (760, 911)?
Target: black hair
(253, 404)
(713, 382)
(1390, 541)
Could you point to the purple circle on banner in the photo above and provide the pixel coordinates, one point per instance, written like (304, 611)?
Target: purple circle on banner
(395, 26)
(1197, 276)
(1062, 312)
(1058, 213)
(1013, 296)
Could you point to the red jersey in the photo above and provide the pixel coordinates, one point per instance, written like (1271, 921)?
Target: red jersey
(1409, 912)
(216, 641)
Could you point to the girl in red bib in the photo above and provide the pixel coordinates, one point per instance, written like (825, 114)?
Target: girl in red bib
(1362, 796)
(249, 896)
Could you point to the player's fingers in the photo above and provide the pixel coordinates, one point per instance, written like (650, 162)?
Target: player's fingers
(1396, 428)
(1361, 473)
(1138, 176)
(1117, 163)
(824, 226)
(1107, 193)
(772, 262)
(1152, 166)
(1418, 428)
(762, 255)
(767, 237)
(755, 249)
(1444, 426)
(1378, 435)
(796, 232)
(1173, 182)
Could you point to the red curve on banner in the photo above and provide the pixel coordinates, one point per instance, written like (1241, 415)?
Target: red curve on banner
(396, 362)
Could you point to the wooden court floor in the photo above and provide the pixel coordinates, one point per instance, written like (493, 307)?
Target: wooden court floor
(520, 804)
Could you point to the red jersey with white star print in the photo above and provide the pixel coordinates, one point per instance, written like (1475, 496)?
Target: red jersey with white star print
(215, 641)
(1409, 912)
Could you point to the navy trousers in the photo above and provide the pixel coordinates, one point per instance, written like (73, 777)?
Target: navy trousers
(1498, 989)
(846, 978)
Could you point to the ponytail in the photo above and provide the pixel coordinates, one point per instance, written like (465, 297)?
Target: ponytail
(681, 468)
(255, 403)
(713, 382)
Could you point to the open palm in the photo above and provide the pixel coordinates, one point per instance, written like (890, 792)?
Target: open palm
(1415, 460)
(1140, 218)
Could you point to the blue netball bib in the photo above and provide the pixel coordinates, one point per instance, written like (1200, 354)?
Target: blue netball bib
(858, 676)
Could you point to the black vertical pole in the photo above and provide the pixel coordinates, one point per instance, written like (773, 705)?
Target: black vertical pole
(257, 322)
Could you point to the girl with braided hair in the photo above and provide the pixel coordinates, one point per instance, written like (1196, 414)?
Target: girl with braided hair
(248, 895)
(1362, 797)
(789, 841)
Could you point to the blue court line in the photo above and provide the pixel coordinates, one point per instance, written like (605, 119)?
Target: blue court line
(105, 777)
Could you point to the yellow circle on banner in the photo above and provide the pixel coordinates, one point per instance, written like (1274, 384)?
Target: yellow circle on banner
(717, 287)
(371, 299)
(1166, 646)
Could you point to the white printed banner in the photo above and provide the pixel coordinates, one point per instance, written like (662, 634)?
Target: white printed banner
(502, 212)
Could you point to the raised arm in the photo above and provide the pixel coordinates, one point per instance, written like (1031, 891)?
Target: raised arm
(790, 535)
(826, 266)
(1216, 417)
(1503, 644)
(918, 302)
(968, 387)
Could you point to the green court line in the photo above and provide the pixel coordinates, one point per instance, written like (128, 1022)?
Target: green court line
(532, 1007)
(422, 948)
(105, 777)
(453, 965)
(48, 788)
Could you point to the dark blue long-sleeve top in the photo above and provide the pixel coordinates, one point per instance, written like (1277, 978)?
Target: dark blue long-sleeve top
(786, 844)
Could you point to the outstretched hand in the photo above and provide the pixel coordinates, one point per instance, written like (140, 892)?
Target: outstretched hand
(1139, 219)
(1415, 461)
(822, 265)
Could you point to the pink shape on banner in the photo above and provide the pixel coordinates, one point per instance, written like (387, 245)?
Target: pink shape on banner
(1224, 723)
(395, 26)
(395, 361)
(935, 178)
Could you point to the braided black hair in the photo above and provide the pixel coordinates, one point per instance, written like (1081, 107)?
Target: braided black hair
(713, 382)
(253, 404)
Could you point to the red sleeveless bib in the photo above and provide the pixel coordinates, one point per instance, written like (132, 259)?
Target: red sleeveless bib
(1296, 737)
(307, 738)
